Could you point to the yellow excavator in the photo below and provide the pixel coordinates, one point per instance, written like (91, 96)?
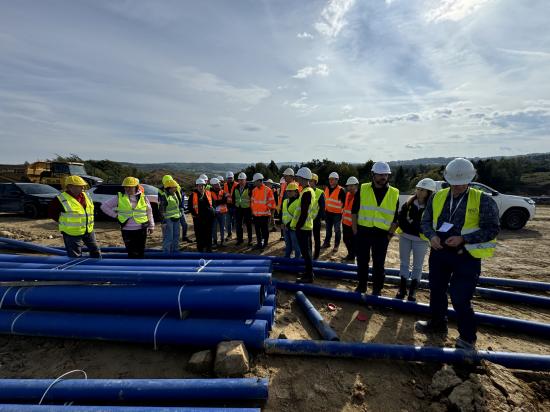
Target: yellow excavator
(50, 173)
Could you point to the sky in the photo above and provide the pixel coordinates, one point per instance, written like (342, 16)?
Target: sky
(285, 80)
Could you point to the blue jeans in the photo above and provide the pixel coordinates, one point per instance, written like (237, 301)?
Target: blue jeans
(333, 220)
(171, 233)
(291, 243)
(183, 223)
(230, 220)
(419, 249)
(219, 220)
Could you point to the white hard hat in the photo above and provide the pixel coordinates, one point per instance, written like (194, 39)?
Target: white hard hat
(214, 181)
(381, 168)
(203, 177)
(257, 176)
(426, 184)
(229, 174)
(459, 171)
(220, 178)
(288, 172)
(352, 180)
(200, 181)
(269, 181)
(242, 176)
(333, 175)
(304, 173)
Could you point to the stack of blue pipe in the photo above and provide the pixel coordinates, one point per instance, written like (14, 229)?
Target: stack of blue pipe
(158, 301)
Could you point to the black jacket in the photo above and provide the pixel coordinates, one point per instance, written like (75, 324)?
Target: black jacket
(409, 218)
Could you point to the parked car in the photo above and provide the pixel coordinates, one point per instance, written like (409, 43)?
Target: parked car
(514, 211)
(32, 199)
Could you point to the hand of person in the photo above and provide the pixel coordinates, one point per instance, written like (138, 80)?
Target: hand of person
(454, 241)
(436, 243)
(150, 230)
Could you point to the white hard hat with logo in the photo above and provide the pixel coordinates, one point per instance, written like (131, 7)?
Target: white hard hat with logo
(288, 172)
(459, 171)
(352, 180)
(257, 176)
(229, 174)
(427, 184)
(381, 168)
(334, 175)
(200, 181)
(204, 177)
(242, 176)
(304, 173)
(214, 181)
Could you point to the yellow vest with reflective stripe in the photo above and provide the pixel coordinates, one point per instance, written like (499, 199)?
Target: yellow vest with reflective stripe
(308, 224)
(242, 201)
(173, 206)
(75, 220)
(471, 221)
(125, 211)
(286, 215)
(318, 193)
(372, 215)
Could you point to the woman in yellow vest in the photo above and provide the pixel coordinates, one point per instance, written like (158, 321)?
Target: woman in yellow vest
(243, 214)
(287, 213)
(170, 214)
(461, 223)
(134, 214)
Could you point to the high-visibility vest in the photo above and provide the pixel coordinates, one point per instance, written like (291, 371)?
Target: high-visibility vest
(308, 224)
(229, 191)
(288, 211)
(282, 192)
(218, 196)
(346, 211)
(172, 206)
(372, 215)
(333, 204)
(195, 200)
(318, 193)
(262, 201)
(125, 210)
(471, 221)
(242, 200)
(75, 220)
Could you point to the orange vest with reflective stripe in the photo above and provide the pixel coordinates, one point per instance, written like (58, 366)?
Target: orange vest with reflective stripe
(262, 201)
(218, 196)
(333, 204)
(346, 212)
(229, 192)
(195, 200)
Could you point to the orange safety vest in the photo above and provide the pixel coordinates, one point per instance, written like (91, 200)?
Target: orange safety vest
(195, 200)
(218, 196)
(262, 201)
(333, 204)
(229, 192)
(346, 212)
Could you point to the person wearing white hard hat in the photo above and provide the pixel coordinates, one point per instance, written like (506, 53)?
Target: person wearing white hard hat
(411, 239)
(319, 215)
(219, 203)
(206, 180)
(374, 221)
(461, 223)
(352, 185)
(269, 183)
(228, 188)
(335, 196)
(243, 214)
(288, 176)
(203, 213)
(262, 204)
(302, 222)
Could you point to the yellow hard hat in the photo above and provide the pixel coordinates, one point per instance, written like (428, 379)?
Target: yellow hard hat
(130, 181)
(166, 178)
(171, 183)
(292, 186)
(75, 181)
(314, 177)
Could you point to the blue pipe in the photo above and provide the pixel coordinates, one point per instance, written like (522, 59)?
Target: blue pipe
(209, 278)
(148, 391)
(270, 300)
(315, 317)
(515, 325)
(75, 408)
(404, 352)
(141, 329)
(266, 313)
(135, 299)
(19, 245)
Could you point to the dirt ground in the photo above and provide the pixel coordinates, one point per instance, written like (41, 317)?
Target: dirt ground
(303, 383)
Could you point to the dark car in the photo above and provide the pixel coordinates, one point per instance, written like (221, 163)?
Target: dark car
(32, 199)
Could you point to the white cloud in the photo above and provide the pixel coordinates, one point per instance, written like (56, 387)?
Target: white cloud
(454, 10)
(321, 70)
(527, 53)
(304, 35)
(333, 15)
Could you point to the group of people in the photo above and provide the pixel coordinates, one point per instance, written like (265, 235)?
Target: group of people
(458, 224)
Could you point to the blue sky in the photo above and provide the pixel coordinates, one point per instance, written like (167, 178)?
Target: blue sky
(250, 80)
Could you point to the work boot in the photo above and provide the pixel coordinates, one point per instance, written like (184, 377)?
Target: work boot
(250, 242)
(186, 239)
(257, 247)
(239, 242)
(464, 344)
(376, 291)
(325, 245)
(335, 248)
(412, 291)
(361, 287)
(305, 278)
(229, 237)
(402, 289)
(429, 327)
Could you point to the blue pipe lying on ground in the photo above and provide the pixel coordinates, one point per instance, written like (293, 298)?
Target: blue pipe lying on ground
(128, 391)
(19, 245)
(404, 352)
(134, 276)
(512, 324)
(266, 313)
(74, 408)
(136, 299)
(324, 329)
(156, 330)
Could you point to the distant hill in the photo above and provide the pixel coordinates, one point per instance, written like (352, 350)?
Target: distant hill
(441, 161)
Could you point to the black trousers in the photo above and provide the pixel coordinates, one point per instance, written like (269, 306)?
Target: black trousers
(375, 242)
(316, 238)
(73, 245)
(304, 241)
(135, 240)
(243, 216)
(349, 240)
(203, 233)
(261, 225)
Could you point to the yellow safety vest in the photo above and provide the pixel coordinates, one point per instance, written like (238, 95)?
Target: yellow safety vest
(173, 206)
(471, 221)
(318, 193)
(288, 211)
(75, 220)
(372, 215)
(242, 200)
(308, 224)
(125, 211)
